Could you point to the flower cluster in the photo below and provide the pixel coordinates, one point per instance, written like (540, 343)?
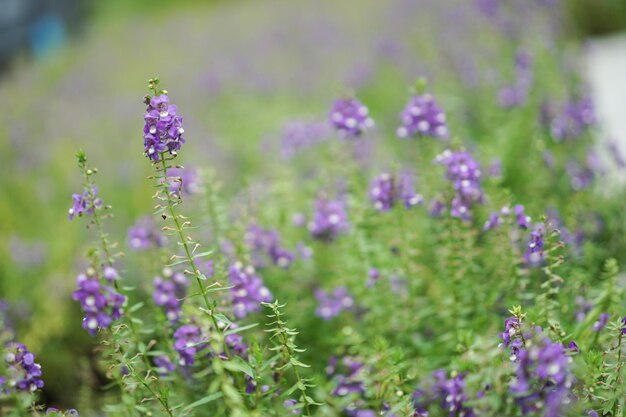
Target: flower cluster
(329, 219)
(248, 291)
(22, 372)
(386, 189)
(101, 303)
(350, 381)
(423, 117)
(163, 129)
(542, 379)
(168, 293)
(574, 118)
(350, 117)
(464, 173)
(332, 304)
(451, 392)
(144, 234)
(514, 336)
(188, 342)
(495, 218)
(263, 241)
(81, 203)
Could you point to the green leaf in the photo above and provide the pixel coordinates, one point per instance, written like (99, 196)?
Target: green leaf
(204, 400)
(239, 365)
(240, 329)
(136, 307)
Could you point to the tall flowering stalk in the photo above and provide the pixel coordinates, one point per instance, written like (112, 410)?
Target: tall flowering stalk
(93, 297)
(162, 139)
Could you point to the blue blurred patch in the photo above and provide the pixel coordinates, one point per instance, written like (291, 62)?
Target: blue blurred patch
(47, 34)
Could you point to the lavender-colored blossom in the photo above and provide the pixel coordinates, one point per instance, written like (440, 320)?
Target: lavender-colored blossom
(168, 293)
(423, 117)
(523, 221)
(164, 365)
(101, 303)
(350, 380)
(163, 129)
(329, 219)
(624, 325)
(492, 222)
(373, 276)
(332, 304)
(144, 234)
(248, 290)
(386, 189)
(22, 372)
(437, 207)
(601, 322)
(188, 342)
(291, 406)
(451, 391)
(235, 343)
(81, 203)
(534, 250)
(263, 241)
(542, 379)
(464, 173)
(350, 117)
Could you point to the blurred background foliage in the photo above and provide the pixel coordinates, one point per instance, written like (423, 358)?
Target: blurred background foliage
(238, 72)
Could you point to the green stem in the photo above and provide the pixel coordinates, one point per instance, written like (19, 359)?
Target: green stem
(189, 257)
(109, 262)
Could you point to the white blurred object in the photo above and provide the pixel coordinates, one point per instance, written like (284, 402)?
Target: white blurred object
(606, 65)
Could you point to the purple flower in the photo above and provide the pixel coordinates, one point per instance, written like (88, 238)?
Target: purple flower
(329, 219)
(145, 234)
(464, 173)
(188, 342)
(81, 204)
(492, 222)
(163, 365)
(168, 293)
(267, 241)
(235, 343)
(437, 207)
(523, 221)
(350, 381)
(373, 276)
(542, 379)
(22, 372)
(248, 290)
(101, 303)
(423, 117)
(534, 250)
(163, 129)
(451, 391)
(386, 189)
(601, 322)
(291, 406)
(332, 304)
(350, 117)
